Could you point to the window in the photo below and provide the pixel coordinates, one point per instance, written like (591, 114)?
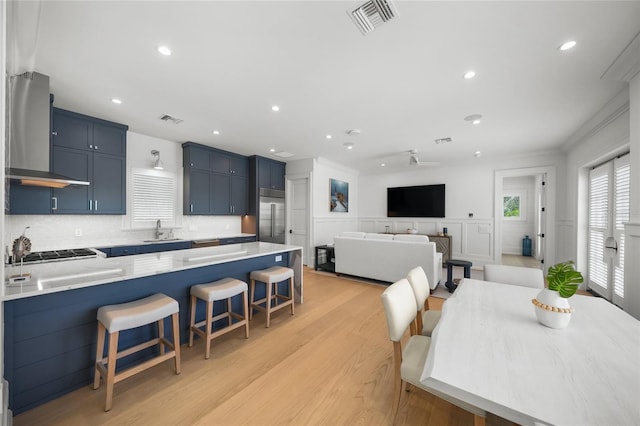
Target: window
(609, 195)
(513, 205)
(153, 197)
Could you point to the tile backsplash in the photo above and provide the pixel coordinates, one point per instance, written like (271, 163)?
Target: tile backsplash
(52, 232)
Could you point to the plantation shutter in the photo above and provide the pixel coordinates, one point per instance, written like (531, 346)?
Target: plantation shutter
(599, 190)
(622, 192)
(153, 197)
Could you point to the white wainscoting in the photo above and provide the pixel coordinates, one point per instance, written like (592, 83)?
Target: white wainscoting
(632, 269)
(471, 239)
(565, 240)
(325, 228)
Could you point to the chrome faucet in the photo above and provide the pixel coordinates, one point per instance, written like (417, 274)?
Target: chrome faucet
(159, 233)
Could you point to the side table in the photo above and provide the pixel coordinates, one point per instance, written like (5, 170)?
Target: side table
(325, 258)
(450, 264)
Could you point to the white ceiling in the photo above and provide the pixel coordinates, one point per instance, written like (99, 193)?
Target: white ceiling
(401, 85)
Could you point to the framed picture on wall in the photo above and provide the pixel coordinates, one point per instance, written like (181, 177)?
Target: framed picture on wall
(338, 196)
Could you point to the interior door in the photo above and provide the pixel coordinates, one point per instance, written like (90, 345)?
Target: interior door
(609, 195)
(540, 221)
(299, 214)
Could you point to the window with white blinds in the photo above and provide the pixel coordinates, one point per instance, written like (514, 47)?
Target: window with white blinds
(609, 202)
(598, 225)
(153, 196)
(622, 191)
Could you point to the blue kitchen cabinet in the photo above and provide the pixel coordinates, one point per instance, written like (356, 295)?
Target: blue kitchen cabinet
(197, 192)
(88, 149)
(221, 195)
(109, 184)
(76, 164)
(239, 198)
(270, 173)
(160, 247)
(124, 251)
(197, 158)
(29, 199)
(220, 190)
(237, 240)
(118, 251)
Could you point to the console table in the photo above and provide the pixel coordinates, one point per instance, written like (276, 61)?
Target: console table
(443, 245)
(325, 258)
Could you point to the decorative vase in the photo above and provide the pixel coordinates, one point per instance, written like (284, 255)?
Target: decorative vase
(551, 309)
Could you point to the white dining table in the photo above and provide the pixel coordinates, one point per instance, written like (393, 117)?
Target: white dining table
(489, 351)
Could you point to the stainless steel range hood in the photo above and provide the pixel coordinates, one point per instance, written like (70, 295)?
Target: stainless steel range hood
(29, 148)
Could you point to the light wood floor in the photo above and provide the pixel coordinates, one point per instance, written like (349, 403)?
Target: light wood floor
(515, 260)
(330, 364)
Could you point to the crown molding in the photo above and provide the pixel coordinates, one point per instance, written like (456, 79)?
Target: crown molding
(627, 65)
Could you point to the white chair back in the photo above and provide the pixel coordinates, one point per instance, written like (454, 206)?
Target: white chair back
(420, 285)
(399, 307)
(515, 275)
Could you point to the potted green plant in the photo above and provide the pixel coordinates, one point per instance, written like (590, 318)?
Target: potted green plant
(551, 305)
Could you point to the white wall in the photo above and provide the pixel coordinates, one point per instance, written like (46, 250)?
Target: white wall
(469, 190)
(601, 138)
(325, 223)
(513, 231)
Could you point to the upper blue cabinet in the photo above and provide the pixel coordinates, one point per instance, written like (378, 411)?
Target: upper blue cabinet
(83, 148)
(270, 173)
(89, 149)
(215, 181)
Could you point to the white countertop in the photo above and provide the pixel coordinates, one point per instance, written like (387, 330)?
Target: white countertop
(78, 273)
(489, 351)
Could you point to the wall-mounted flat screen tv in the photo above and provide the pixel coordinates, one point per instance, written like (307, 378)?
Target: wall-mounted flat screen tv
(416, 201)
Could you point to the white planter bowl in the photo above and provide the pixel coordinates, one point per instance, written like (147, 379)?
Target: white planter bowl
(551, 309)
(412, 231)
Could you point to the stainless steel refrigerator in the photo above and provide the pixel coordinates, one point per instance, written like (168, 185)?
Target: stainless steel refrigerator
(271, 227)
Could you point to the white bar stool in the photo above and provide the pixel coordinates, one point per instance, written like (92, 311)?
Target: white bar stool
(225, 288)
(271, 276)
(125, 316)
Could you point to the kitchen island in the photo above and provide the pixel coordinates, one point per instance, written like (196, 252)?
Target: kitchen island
(50, 321)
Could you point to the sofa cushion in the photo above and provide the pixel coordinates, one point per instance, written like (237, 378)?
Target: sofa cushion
(374, 236)
(412, 238)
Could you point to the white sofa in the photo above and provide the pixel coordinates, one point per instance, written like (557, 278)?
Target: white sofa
(386, 257)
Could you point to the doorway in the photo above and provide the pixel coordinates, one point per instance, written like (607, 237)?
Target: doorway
(298, 208)
(533, 191)
(609, 197)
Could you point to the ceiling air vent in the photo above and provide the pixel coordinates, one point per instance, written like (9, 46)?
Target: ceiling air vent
(443, 140)
(372, 14)
(170, 119)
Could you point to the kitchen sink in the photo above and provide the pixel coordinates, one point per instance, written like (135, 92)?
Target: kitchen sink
(162, 240)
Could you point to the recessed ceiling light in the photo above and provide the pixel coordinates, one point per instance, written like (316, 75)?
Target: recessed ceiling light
(477, 154)
(275, 108)
(216, 132)
(348, 145)
(272, 150)
(567, 45)
(469, 74)
(164, 50)
(329, 136)
(383, 165)
(116, 101)
(473, 118)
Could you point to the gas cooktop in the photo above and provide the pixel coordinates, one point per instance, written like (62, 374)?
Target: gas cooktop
(55, 255)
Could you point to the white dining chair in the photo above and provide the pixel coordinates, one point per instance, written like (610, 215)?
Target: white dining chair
(426, 319)
(514, 275)
(409, 361)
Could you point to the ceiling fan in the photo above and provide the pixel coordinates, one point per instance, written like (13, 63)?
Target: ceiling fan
(415, 161)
